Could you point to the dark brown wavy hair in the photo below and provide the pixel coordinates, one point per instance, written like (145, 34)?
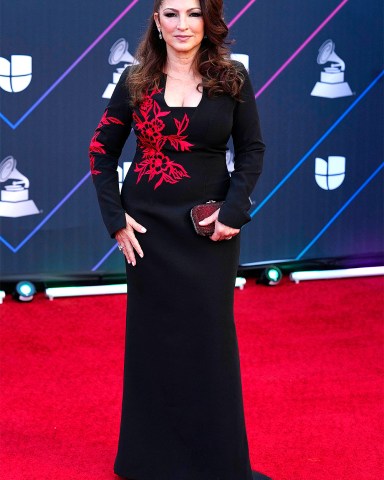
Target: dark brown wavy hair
(219, 74)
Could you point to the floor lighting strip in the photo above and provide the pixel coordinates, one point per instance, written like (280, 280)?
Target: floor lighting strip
(59, 292)
(341, 273)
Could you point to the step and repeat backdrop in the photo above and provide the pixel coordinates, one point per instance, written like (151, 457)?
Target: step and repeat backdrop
(317, 71)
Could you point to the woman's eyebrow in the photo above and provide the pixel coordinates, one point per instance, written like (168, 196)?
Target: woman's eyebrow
(175, 10)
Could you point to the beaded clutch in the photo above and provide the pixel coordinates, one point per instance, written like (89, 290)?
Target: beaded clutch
(199, 212)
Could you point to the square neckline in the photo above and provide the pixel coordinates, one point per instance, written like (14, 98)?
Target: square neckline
(164, 81)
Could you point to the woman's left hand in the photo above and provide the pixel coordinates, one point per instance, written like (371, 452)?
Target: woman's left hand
(222, 232)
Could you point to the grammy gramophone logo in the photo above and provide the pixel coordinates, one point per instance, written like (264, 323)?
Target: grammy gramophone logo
(119, 53)
(332, 83)
(14, 194)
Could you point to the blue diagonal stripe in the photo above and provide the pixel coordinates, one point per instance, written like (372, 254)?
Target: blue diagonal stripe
(7, 244)
(108, 254)
(47, 217)
(8, 122)
(319, 142)
(340, 211)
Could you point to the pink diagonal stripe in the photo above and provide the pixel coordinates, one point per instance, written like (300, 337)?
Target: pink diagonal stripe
(294, 55)
(241, 13)
(107, 30)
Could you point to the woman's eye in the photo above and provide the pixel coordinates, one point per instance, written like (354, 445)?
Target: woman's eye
(172, 14)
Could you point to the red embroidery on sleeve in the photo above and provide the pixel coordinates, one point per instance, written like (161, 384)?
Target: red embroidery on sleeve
(96, 146)
(155, 164)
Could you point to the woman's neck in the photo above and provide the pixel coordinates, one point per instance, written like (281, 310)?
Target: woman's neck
(180, 65)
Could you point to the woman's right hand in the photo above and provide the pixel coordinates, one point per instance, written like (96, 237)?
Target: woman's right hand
(127, 240)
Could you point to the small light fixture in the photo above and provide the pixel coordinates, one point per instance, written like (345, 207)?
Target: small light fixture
(270, 276)
(24, 291)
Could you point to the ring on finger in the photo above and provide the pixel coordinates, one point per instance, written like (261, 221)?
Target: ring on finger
(228, 238)
(120, 247)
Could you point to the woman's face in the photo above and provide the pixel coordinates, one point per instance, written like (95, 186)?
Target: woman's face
(181, 24)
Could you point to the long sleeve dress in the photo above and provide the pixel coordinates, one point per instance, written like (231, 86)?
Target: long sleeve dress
(182, 408)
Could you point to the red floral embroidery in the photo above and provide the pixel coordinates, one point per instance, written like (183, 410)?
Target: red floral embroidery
(152, 141)
(96, 146)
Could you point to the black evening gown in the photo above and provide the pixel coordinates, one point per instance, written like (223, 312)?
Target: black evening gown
(182, 410)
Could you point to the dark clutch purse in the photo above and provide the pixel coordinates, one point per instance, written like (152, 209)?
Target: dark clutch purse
(199, 212)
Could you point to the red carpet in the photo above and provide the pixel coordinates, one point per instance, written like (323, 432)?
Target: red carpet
(311, 358)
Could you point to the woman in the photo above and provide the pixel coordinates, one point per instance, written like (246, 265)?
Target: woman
(182, 413)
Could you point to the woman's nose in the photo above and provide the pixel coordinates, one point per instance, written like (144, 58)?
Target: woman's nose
(183, 24)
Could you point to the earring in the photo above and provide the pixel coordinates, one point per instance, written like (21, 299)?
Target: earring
(160, 35)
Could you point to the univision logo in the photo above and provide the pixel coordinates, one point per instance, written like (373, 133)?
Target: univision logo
(15, 75)
(122, 172)
(330, 173)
